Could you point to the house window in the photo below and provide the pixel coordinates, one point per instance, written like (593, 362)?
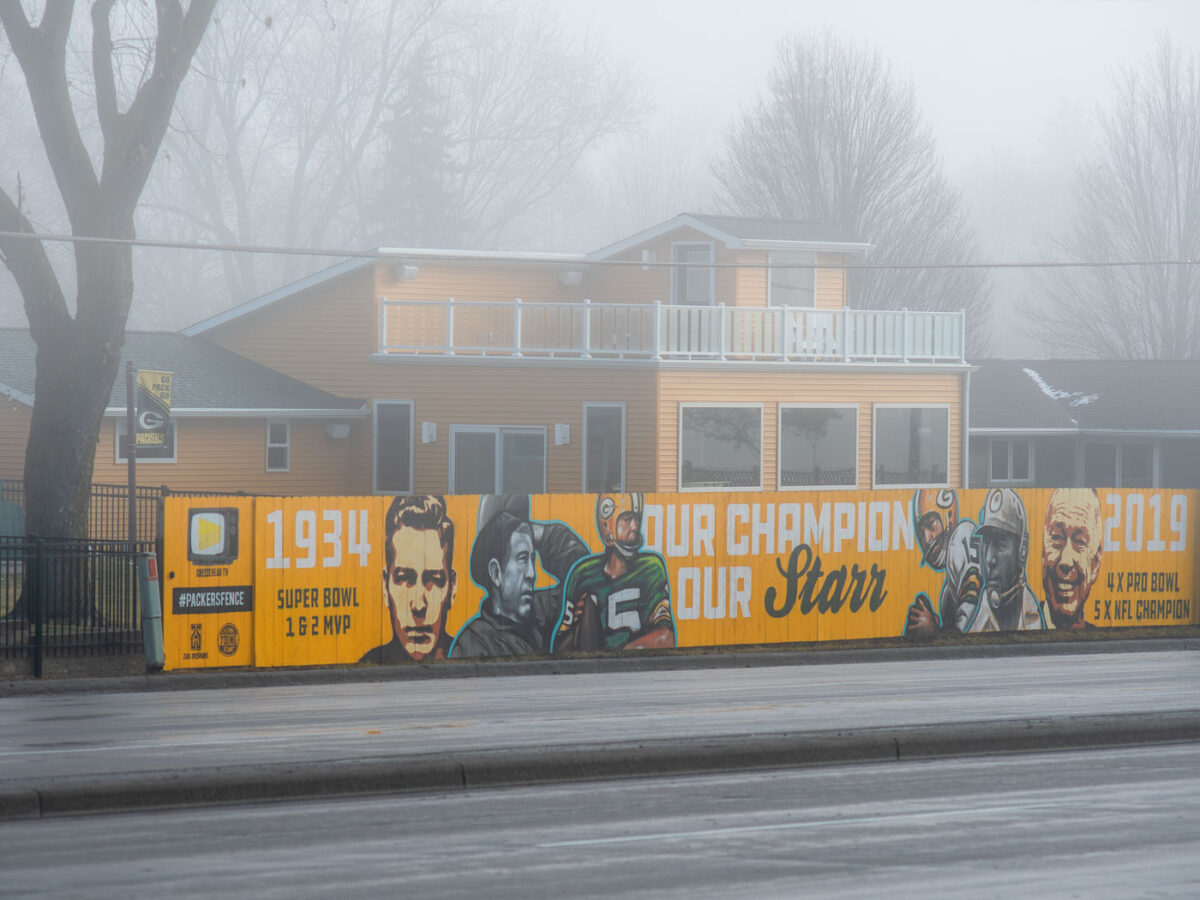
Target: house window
(603, 447)
(818, 446)
(164, 453)
(495, 459)
(1118, 465)
(279, 442)
(720, 447)
(792, 278)
(393, 446)
(692, 282)
(912, 445)
(1011, 462)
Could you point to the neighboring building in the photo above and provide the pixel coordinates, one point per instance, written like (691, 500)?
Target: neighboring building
(1085, 423)
(707, 353)
(236, 426)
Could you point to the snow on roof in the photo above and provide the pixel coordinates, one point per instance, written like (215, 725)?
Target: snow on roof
(1073, 398)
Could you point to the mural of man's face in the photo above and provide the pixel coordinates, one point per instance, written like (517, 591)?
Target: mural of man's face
(1070, 554)
(420, 587)
(513, 577)
(1001, 560)
(626, 534)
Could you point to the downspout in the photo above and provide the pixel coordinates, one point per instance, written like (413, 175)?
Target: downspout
(966, 430)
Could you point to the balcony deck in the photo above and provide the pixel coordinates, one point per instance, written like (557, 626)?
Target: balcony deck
(663, 332)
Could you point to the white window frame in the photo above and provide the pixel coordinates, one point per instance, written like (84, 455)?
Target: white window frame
(119, 460)
(624, 438)
(992, 444)
(677, 270)
(875, 443)
(813, 271)
(853, 407)
(499, 431)
(286, 445)
(375, 488)
(679, 448)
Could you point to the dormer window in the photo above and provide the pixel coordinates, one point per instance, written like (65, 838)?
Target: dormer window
(693, 281)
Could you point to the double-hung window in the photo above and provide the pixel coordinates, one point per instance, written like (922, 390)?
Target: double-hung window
(279, 446)
(1011, 461)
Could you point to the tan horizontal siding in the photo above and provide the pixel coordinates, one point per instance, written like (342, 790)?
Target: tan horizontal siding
(505, 394)
(227, 455)
(489, 282)
(322, 336)
(770, 389)
(831, 282)
(14, 433)
(750, 279)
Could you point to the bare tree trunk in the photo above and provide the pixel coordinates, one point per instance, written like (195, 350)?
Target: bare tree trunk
(78, 356)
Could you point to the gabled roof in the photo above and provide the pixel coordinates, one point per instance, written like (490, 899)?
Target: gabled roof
(397, 255)
(734, 232)
(737, 232)
(209, 380)
(288, 290)
(1086, 395)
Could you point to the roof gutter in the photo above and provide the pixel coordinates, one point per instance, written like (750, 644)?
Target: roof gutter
(264, 413)
(1079, 431)
(13, 394)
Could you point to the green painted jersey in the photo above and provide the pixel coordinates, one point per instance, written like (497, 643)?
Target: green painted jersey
(629, 606)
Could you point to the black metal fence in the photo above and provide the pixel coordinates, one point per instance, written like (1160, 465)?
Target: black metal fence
(108, 514)
(62, 598)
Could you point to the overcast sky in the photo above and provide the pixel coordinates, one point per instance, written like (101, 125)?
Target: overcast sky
(987, 73)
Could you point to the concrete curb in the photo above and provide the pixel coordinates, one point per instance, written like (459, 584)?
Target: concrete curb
(669, 661)
(526, 766)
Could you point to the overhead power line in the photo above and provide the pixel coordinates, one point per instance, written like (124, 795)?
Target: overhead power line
(561, 259)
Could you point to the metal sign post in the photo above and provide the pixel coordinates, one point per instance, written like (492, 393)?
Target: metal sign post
(131, 447)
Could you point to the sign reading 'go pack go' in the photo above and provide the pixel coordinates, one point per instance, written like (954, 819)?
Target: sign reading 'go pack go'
(336, 580)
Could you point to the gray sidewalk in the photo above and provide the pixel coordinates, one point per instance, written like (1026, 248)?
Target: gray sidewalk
(812, 732)
(671, 661)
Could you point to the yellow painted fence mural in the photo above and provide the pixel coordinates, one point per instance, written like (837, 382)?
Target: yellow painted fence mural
(300, 581)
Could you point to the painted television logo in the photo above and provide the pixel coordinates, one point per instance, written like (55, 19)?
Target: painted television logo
(212, 536)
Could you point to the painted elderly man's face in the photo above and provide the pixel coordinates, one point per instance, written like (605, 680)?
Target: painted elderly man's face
(420, 586)
(513, 577)
(1070, 554)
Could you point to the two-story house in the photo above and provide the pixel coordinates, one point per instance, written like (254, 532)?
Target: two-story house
(706, 353)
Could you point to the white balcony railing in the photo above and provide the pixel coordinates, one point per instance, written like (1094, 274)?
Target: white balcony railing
(658, 331)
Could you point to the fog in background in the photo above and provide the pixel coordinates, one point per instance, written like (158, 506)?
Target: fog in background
(566, 126)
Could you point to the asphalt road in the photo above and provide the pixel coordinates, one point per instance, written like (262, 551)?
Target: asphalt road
(56, 745)
(1100, 823)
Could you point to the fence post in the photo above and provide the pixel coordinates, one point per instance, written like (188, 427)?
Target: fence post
(656, 331)
(34, 593)
(517, 327)
(587, 329)
(152, 629)
(721, 330)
